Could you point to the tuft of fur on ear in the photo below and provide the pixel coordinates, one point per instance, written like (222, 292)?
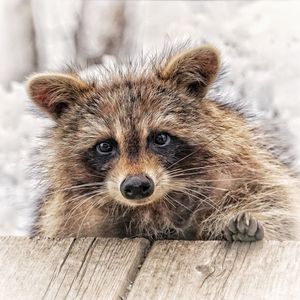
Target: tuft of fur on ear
(54, 93)
(193, 70)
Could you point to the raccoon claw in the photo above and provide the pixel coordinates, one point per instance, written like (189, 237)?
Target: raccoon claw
(243, 228)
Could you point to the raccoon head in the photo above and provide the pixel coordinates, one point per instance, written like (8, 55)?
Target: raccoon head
(128, 138)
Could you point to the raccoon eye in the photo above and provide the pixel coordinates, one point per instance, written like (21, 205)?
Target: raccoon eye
(161, 139)
(105, 147)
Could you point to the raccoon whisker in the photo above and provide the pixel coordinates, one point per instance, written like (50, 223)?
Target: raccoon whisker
(178, 172)
(208, 187)
(166, 198)
(93, 205)
(128, 228)
(205, 200)
(81, 186)
(180, 204)
(181, 184)
(72, 200)
(218, 166)
(77, 190)
(79, 205)
(116, 206)
(221, 165)
(224, 179)
(88, 211)
(194, 152)
(198, 172)
(99, 176)
(169, 200)
(130, 225)
(75, 199)
(81, 224)
(196, 184)
(126, 211)
(186, 173)
(183, 173)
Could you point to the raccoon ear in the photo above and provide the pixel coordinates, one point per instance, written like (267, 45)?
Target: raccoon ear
(54, 93)
(193, 70)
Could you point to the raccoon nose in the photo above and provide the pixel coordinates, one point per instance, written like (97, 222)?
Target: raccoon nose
(136, 187)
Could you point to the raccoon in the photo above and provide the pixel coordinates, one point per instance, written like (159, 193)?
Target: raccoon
(148, 153)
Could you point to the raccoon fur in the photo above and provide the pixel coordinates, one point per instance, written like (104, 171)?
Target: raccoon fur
(148, 152)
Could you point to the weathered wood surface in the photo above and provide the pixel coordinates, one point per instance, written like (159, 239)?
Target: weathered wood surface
(115, 269)
(219, 270)
(68, 269)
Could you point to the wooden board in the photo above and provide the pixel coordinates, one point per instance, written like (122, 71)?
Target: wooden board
(68, 269)
(94, 268)
(219, 270)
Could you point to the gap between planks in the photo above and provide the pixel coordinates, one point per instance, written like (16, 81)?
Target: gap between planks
(219, 270)
(87, 268)
(95, 268)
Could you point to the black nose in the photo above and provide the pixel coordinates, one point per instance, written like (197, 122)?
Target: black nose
(137, 187)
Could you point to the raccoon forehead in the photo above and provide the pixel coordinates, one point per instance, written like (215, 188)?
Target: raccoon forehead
(122, 117)
(116, 111)
(141, 102)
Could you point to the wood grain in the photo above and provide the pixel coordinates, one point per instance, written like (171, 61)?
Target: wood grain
(68, 269)
(219, 270)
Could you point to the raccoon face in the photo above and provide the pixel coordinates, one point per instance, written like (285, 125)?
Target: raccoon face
(125, 140)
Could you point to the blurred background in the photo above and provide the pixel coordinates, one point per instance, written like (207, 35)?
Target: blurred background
(259, 42)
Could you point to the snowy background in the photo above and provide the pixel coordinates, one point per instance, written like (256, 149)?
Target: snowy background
(259, 41)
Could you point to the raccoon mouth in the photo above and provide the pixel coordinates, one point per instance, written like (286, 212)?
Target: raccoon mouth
(142, 202)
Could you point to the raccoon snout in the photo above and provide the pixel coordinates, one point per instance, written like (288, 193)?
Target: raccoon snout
(136, 187)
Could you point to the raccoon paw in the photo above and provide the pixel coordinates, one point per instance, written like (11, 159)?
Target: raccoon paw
(243, 228)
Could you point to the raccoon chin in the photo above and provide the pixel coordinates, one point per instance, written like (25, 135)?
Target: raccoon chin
(138, 203)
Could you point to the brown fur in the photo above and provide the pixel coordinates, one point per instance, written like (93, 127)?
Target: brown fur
(222, 166)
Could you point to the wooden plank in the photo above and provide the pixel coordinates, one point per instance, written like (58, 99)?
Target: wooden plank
(219, 270)
(68, 269)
